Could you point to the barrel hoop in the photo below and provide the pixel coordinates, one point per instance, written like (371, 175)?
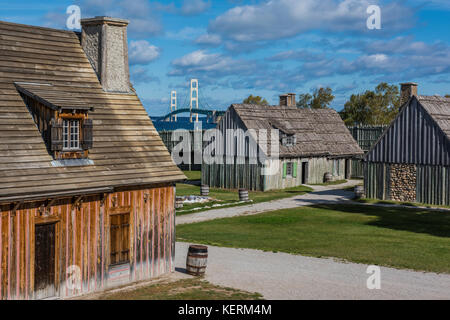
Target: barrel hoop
(193, 255)
(195, 267)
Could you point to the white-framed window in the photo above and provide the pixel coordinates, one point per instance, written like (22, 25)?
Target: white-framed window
(71, 134)
(290, 140)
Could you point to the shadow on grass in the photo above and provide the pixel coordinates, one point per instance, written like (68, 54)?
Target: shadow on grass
(435, 223)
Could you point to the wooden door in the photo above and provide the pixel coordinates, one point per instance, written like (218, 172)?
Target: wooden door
(347, 169)
(305, 173)
(120, 239)
(44, 261)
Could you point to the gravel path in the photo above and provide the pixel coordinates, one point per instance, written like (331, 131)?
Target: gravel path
(283, 276)
(321, 194)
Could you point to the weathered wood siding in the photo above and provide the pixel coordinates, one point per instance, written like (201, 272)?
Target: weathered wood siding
(234, 172)
(376, 180)
(432, 186)
(317, 168)
(228, 176)
(366, 137)
(413, 138)
(82, 239)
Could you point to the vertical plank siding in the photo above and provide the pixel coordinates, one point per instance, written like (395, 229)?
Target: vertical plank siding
(413, 138)
(82, 239)
(366, 136)
(432, 186)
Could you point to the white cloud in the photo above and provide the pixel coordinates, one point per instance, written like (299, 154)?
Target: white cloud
(140, 13)
(193, 7)
(141, 75)
(201, 62)
(187, 33)
(209, 40)
(142, 52)
(272, 19)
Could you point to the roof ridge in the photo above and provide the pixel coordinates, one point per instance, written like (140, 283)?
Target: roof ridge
(13, 24)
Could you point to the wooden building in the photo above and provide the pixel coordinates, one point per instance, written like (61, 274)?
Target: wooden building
(86, 184)
(311, 144)
(411, 160)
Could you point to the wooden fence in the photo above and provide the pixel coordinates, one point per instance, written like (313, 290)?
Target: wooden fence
(366, 136)
(166, 137)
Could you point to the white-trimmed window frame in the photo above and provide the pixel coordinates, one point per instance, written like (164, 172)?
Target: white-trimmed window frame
(71, 135)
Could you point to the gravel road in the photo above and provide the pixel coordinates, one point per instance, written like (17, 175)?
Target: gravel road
(283, 276)
(321, 194)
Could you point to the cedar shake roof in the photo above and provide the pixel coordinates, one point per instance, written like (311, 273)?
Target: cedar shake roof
(439, 109)
(53, 98)
(127, 150)
(319, 132)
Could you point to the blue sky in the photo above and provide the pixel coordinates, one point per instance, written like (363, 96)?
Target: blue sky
(237, 47)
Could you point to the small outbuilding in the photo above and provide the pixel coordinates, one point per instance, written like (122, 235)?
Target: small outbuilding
(311, 144)
(411, 160)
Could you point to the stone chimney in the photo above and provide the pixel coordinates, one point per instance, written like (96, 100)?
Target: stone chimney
(288, 100)
(104, 40)
(408, 90)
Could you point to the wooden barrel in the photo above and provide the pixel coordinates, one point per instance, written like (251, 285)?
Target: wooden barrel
(204, 190)
(359, 192)
(196, 260)
(328, 177)
(243, 195)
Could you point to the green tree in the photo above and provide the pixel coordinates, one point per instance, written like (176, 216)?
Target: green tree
(376, 107)
(320, 99)
(256, 100)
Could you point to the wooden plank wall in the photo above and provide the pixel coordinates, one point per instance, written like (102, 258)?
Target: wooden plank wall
(82, 239)
(413, 138)
(433, 183)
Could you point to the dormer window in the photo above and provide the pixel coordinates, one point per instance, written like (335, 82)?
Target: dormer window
(287, 136)
(62, 118)
(289, 140)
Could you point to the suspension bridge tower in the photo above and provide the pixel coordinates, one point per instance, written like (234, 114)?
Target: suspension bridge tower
(194, 98)
(173, 105)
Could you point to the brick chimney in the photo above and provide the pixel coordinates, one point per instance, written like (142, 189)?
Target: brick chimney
(408, 90)
(104, 40)
(287, 100)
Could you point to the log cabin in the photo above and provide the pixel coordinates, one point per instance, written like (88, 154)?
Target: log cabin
(411, 160)
(311, 143)
(87, 188)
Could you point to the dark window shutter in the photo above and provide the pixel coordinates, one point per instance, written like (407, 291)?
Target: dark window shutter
(57, 135)
(87, 134)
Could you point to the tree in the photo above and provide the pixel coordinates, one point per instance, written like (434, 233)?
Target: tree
(320, 99)
(378, 107)
(447, 95)
(256, 100)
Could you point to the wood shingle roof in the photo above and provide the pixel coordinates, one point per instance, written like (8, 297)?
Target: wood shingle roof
(439, 109)
(127, 150)
(318, 132)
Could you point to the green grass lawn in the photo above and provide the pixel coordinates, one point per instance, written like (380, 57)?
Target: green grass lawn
(189, 289)
(193, 175)
(398, 237)
(230, 197)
